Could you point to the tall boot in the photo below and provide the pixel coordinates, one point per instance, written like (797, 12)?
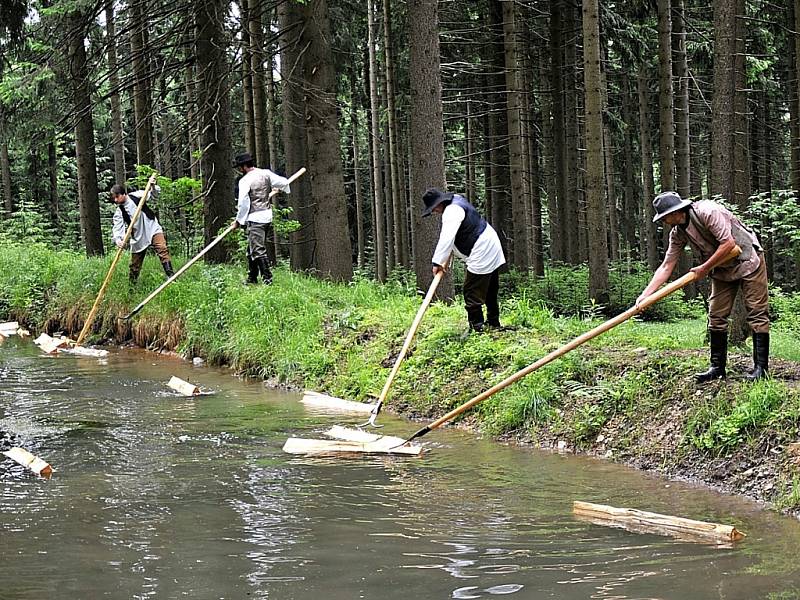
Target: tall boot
(475, 317)
(167, 264)
(719, 357)
(760, 357)
(252, 271)
(263, 266)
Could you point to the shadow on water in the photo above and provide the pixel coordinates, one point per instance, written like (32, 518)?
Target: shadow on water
(160, 496)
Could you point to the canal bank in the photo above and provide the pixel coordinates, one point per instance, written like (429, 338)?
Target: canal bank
(627, 396)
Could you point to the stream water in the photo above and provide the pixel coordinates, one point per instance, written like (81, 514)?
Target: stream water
(160, 496)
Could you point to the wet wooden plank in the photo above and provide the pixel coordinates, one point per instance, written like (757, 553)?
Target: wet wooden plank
(183, 387)
(324, 401)
(383, 445)
(642, 521)
(50, 345)
(30, 461)
(359, 435)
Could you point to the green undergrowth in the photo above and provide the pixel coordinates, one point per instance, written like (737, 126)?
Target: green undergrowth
(631, 385)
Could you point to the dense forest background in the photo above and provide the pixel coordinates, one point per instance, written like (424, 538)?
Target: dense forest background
(559, 119)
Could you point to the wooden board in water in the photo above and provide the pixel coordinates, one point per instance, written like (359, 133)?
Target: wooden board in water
(333, 447)
(641, 521)
(323, 401)
(358, 435)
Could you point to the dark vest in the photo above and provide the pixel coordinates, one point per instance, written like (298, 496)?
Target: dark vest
(471, 227)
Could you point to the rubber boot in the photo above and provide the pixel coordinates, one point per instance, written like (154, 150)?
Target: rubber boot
(252, 271)
(760, 357)
(263, 266)
(719, 357)
(475, 317)
(167, 265)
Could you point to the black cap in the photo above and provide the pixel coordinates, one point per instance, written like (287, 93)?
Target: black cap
(242, 159)
(433, 198)
(666, 203)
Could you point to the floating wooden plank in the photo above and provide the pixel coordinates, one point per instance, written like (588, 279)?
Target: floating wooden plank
(83, 351)
(641, 521)
(30, 461)
(23, 333)
(357, 435)
(322, 401)
(9, 328)
(50, 345)
(384, 445)
(183, 387)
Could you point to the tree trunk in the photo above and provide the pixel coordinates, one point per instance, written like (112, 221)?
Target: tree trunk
(334, 253)
(261, 146)
(596, 209)
(681, 68)
(398, 202)
(630, 204)
(793, 85)
(666, 119)
(558, 202)
(118, 136)
(88, 202)
(52, 169)
(247, 81)
(649, 231)
(5, 167)
(519, 248)
(215, 121)
(426, 133)
(575, 215)
(360, 239)
(142, 104)
(723, 101)
(294, 134)
(377, 162)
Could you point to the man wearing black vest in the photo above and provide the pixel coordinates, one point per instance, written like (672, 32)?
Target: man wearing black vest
(466, 234)
(147, 231)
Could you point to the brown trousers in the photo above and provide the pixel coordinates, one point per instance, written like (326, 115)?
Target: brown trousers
(159, 245)
(756, 300)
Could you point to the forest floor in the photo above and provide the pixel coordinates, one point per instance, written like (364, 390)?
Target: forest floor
(628, 395)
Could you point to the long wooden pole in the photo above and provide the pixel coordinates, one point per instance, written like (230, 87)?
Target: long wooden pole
(199, 255)
(407, 344)
(93, 313)
(581, 339)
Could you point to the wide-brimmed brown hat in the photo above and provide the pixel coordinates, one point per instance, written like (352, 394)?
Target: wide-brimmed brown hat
(668, 202)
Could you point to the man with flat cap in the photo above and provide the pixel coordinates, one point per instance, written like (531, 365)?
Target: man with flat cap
(254, 211)
(712, 231)
(466, 234)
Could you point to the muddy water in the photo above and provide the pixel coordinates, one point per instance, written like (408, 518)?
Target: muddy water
(158, 496)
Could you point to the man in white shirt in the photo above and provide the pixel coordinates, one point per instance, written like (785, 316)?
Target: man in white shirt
(147, 231)
(254, 211)
(466, 234)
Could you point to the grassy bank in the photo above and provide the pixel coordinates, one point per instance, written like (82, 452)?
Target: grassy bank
(628, 394)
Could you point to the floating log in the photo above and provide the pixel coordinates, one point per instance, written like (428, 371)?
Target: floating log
(30, 461)
(322, 401)
(647, 522)
(383, 445)
(183, 387)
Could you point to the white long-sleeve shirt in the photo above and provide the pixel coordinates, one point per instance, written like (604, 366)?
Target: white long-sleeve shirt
(487, 253)
(143, 230)
(243, 214)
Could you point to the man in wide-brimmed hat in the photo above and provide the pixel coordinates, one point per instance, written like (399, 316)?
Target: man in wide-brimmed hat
(466, 234)
(254, 210)
(713, 231)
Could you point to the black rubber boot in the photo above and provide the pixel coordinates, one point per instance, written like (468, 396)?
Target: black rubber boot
(263, 266)
(252, 271)
(719, 357)
(168, 269)
(760, 357)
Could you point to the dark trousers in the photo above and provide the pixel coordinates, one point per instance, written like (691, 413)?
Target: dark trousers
(258, 236)
(159, 246)
(480, 290)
